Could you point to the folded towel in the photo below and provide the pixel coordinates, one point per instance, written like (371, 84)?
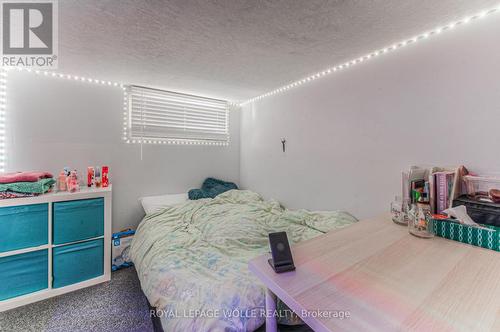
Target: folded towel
(23, 177)
(211, 188)
(39, 187)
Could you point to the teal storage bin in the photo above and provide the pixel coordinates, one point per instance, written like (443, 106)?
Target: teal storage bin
(78, 220)
(77, 262)
(23, 226)
(23, 274)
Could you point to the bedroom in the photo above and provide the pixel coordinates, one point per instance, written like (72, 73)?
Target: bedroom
(202, 127)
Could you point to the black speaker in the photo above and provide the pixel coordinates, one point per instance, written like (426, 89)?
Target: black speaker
(282, 260)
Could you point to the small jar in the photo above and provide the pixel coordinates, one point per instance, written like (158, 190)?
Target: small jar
(419, 221)
(399, 211)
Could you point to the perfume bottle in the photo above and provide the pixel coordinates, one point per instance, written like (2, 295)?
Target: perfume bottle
(97, 177)
(61, 182)
(72, 182)
(90, 177)
(105, 176)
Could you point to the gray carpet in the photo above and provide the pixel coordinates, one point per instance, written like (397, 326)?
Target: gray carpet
(118, 305)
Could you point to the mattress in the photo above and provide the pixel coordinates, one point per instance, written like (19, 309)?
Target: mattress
(192, 258)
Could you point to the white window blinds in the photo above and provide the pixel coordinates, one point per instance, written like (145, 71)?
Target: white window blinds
(157, 116)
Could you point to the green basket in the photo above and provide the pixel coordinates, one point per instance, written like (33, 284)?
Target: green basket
(485, 238)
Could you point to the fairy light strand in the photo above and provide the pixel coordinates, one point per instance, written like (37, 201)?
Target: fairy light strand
(3, 98)
(374, 54)
(126, 122)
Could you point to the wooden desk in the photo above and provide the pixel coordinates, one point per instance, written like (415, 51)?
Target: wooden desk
(388, 280)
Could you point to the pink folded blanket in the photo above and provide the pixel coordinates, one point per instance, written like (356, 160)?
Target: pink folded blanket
(23, 177)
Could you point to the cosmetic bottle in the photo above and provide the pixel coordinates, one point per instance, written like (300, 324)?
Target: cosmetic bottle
(67, 171)
(90, 177)
(105, 176)
(72, 182)
(97, 177)
(61, 182)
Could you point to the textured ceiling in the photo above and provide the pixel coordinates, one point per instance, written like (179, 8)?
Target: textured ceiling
(234, 49)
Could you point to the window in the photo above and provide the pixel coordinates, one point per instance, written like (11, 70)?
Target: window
(157, 116)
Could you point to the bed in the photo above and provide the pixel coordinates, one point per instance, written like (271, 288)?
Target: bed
(192, 258)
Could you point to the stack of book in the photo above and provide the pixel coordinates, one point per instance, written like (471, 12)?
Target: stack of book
(435, 186)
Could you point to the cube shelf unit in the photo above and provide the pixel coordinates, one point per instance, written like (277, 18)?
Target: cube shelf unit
(53, 244)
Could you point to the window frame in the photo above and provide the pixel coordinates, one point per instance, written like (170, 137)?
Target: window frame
(128, 112)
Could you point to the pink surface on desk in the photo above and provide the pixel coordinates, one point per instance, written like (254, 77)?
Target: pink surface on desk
(389, 280)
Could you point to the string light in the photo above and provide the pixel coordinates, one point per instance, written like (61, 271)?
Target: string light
(126, 124)
(3, 97)
(376, 53)
(65, 76)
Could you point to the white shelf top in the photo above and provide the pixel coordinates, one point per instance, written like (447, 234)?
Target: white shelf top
(55, 196)
(83, 190)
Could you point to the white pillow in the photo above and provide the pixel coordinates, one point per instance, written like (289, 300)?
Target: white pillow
(152, 204)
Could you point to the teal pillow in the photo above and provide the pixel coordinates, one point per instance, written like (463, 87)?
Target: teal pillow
(211, 188)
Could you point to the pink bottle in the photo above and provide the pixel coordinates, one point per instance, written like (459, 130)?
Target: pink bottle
(72, 182)
(90, 177)
(62, 182)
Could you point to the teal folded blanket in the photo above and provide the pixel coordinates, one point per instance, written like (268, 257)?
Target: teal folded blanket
(211, 187)
(39, 187)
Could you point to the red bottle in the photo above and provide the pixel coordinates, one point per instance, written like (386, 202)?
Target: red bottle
(90, 177)
(105, 179)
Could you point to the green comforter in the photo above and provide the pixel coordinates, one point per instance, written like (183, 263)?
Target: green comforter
(192, 258)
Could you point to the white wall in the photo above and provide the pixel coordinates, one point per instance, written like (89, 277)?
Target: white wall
(350, 134)
(53, 122)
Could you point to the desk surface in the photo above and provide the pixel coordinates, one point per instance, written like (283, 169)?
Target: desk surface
(389, 280)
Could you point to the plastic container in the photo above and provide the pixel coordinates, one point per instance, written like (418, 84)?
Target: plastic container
(485, 213)
(120, 247)
(483, 188)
